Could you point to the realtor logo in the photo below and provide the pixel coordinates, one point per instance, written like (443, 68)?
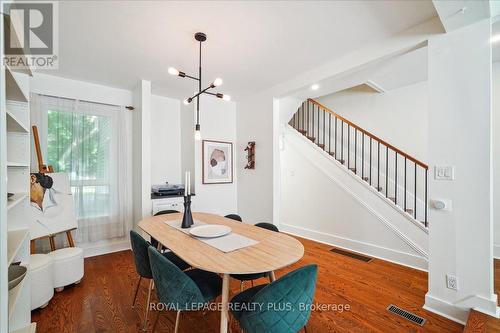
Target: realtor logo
(31, 34)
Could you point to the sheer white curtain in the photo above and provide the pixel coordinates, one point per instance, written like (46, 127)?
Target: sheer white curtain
(91, 142)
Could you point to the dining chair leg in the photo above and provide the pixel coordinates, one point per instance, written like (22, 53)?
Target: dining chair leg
(241, 286)
(252, 283)
(177, 318)
(147, 304)
(136, 290)
(305, 329)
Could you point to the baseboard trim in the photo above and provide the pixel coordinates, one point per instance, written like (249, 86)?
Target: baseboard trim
(445, 309)
(371, 250)
(104, 247)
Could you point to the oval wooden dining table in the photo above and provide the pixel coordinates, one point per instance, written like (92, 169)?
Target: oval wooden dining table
(273, 251)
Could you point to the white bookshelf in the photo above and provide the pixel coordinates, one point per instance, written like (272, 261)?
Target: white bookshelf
(15, 154)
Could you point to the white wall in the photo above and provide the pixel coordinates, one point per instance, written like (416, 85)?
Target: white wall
(496, 157)
(187, 141)
(255, 187)
(399, 116)
(141, 151)
(460, 241)
(321, 200)
(165, 134)
(218, 120)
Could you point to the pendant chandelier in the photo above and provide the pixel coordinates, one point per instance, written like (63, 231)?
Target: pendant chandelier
(200, 37)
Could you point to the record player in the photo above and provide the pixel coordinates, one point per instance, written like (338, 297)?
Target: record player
(167, 189)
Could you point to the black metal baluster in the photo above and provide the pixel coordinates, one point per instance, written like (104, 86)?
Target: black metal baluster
(335, 141)
(386, 171)
(378, 167)
(363, 155)
(318, 125)
(313, 123)
(415, 194)
(425, 198)
(355, 150)
(324, 130)
(370, 160)
(396, 177)
(307, 118)
(330, 133)
(405, 187)
(342, 141)
(348, 145)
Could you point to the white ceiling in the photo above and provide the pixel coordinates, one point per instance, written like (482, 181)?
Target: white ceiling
(252, 45)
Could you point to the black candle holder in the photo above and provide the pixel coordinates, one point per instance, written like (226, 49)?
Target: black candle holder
(187, 219)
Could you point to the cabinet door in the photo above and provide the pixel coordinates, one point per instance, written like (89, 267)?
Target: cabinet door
(167, 204)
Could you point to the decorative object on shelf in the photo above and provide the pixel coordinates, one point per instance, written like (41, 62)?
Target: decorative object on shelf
(200, 37)
(250, 149)
(217, 157)
(187, 218)
(16, 274)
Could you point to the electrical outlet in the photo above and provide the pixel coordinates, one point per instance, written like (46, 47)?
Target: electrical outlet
(451, 282)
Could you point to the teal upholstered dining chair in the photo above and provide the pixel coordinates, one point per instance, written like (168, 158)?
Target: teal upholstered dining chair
(141, 259)
(182, 291)
(282, 306)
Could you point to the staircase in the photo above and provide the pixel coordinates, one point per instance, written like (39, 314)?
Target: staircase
(398, 177)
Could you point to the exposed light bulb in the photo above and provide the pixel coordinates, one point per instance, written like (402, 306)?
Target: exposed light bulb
(173, 71)
(197, 133)
(217, 82)
(227, 98)
(186, 102)
(315, 86)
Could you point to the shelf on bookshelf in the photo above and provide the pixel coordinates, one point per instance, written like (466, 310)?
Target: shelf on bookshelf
(14, 124)
(14, 294)
(15, 200)
(15, 241)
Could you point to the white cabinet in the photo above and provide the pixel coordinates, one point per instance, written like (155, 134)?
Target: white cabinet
(172, 203)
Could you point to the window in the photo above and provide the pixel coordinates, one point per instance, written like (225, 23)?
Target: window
(80, 144)
(92, 143)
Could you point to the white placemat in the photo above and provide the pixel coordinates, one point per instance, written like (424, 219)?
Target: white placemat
(226, 243)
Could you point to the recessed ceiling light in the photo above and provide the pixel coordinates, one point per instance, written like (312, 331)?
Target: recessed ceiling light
(315, 86)
(495, 39)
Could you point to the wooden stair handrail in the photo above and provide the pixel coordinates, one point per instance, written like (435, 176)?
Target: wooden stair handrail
(388, 145)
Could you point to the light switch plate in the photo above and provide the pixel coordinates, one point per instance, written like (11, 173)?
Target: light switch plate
(444, 172)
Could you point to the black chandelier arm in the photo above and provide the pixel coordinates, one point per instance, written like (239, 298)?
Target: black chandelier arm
(204, 91)
(182, 74)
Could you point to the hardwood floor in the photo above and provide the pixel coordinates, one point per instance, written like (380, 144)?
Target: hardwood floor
(102, 301)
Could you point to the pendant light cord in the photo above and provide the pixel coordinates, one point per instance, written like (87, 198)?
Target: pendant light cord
(199, 91)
